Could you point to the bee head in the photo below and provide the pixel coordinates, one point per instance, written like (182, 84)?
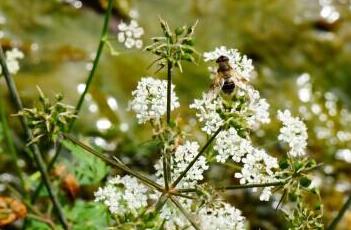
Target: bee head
(222, 58)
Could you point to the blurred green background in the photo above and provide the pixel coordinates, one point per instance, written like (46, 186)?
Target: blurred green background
(301, 51)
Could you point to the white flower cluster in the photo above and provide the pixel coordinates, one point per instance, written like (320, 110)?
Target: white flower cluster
(258, 107)
(258, 168)
(230, 144)
(181, 158)
(130, 34)
(12, 57)
(240, 63)
(175, 219)
(123, 195)
(254, 111)
(293, 132)
(214, 216)
(207, 112)
(150, 99)
(226, 217)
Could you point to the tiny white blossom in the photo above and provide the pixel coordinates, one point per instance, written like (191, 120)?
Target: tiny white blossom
(130, 34)
(123, 195)
(258, 168)
(241, 64)
(150, 99)
(207, 112)
(230, 144)
(12, 57)
(259, 108)
(181, 158)
(225, 217)
(293, 132)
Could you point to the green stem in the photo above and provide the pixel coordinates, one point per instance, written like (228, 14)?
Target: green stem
(185, 212)
(196, 157)
(35, 148)
(91, 75)
(340, 214)
(169, 91)
(167, 156)
(10, 144)
(118, 164)
(102, 42)
(241, 186)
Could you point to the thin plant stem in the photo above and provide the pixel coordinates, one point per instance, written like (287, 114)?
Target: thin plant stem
(169, 91)
(35, 148)
(242, 186)
(118, 164)
(196, 157)
(340, 214)
(185, 212)
(10, 144)
(102, 41)
(166, 154)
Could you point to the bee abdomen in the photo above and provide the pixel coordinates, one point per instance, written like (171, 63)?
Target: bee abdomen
(228, 86)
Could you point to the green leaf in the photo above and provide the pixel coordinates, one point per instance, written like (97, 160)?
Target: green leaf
(87, 168)
(87, 215)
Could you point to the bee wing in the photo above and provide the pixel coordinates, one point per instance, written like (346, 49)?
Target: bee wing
(216, 85)
(239, 80)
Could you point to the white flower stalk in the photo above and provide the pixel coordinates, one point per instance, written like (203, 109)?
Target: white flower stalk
(130, 34)
(123, 195)
(240, 63)
(258, 168)
(150, 99)
(230, 144)
(12, 57)
(225, 217)
(181, 158)
(293, 132)
(207, 112)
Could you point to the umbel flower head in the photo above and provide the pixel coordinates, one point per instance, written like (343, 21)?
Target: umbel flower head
(173, 47)
(12, 57)
(48, 119)
(244, 110)
(240, 63)
(150, 99)
(183, 155)
(294, 132)
(123, 195)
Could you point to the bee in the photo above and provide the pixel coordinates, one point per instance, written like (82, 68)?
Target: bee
(226, 78)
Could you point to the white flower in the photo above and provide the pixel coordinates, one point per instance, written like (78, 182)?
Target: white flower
(224, 217)
(293, 132)
(12, 57)
(207, 112)
(175, 219)
(254, 110)
(241, 64)
(130, 34)
(258, 168)
(258, 107)
(150, 99)
(181, 158)
(230, 144)
(123, 195)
